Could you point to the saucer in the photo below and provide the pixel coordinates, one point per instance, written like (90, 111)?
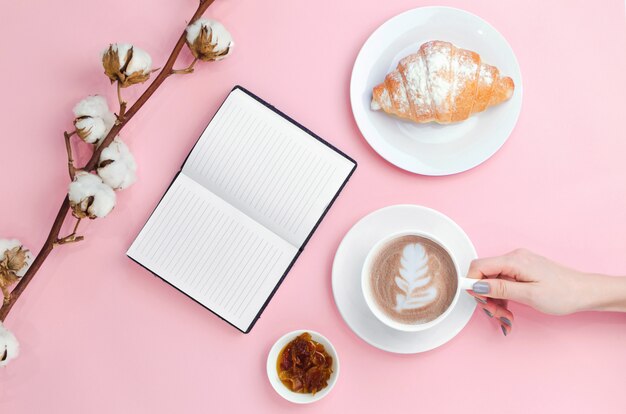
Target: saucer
(277, 384)
(346, 277)
(433, 149)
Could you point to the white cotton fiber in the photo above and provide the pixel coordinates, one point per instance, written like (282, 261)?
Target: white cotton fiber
(86, 185)
(93, 119)
(220, 37)
(121, 173)
(95, 129)
(8, 344)
(140, 62)
(93, 106)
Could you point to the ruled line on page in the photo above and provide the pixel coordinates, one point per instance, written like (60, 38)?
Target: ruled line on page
(212, 252)
(262, 164)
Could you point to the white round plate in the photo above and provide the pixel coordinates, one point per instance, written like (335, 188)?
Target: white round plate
(433, 149)
(346, 280)
(280, 388)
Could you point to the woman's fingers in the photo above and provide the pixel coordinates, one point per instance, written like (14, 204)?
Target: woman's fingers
(504, 289)
(498, 278)
(490, 267)
(506, 329)
(497, 310)
(505, 316)
(501, 302)
(479, 299)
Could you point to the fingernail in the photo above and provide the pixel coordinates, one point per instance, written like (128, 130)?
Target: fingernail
(488, 313)
(479, 300)
(506, 321)
(503, 330)
(480, 287)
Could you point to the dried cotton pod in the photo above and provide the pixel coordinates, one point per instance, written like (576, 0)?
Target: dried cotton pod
(93, 120)
(117, 165)
(126, 64)
(209, 40)
(9, 347)
(14, 262)
(90, 197)
(13, 254)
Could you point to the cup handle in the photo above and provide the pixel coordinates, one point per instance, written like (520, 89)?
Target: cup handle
(466, 283)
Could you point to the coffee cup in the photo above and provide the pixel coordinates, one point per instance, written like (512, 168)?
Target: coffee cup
(411, 281)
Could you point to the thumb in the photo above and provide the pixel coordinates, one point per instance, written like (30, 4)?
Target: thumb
(503, 289)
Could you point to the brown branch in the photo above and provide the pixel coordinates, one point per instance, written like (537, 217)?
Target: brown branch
(188, 69)
(70, 161)
(53, 236)
(76, 226)
(123, 103)
(41, 257)
(71, 238)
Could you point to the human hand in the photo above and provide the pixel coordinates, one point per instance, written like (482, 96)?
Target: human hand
(533, 280)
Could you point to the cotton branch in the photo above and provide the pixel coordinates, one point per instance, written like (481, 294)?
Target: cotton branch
(188, 69)
(53, 236)
(123, 103)
(70, 161)
(72, 238)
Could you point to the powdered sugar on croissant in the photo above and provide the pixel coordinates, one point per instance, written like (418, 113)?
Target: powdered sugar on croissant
(441, 83)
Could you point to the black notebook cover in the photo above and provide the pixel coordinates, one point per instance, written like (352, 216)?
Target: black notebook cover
(310, 133)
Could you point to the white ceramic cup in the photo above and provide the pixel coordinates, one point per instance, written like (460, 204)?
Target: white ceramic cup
(463, 284)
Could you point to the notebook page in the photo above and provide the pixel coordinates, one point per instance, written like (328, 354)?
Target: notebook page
(212, 252)
(267, 167)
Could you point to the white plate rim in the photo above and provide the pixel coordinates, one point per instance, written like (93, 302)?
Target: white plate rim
(354, 98)
(453, 333)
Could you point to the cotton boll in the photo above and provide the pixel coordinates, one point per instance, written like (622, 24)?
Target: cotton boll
(92, 106)
(91, 130)
(116, 67)
(220, 37)
(7, 245)
(93, 120)
(90, 197)
(117, 165)
(14, 262)
(122, 50)
(104, 202)
(140, 62)
(109, 119)
(209, 40)
(9, 346)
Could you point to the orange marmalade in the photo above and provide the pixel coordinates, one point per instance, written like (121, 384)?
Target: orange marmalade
(304, 366)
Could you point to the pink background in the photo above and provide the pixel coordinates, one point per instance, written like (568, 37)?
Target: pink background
(100, 334)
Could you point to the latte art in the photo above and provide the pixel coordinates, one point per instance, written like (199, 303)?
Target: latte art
(413, 279)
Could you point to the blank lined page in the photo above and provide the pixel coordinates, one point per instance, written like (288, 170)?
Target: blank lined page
(212, 252)
(269, 168)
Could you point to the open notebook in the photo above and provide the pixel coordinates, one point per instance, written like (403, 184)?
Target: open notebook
(238, 214)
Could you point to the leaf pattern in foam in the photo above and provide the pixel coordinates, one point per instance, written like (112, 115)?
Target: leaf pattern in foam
(414, 276)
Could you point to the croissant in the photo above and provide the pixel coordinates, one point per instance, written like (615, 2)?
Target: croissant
(441, 83)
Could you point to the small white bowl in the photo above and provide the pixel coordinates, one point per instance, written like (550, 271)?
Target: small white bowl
(281, 389)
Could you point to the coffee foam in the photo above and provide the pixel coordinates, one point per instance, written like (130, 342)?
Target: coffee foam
(413, 279)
